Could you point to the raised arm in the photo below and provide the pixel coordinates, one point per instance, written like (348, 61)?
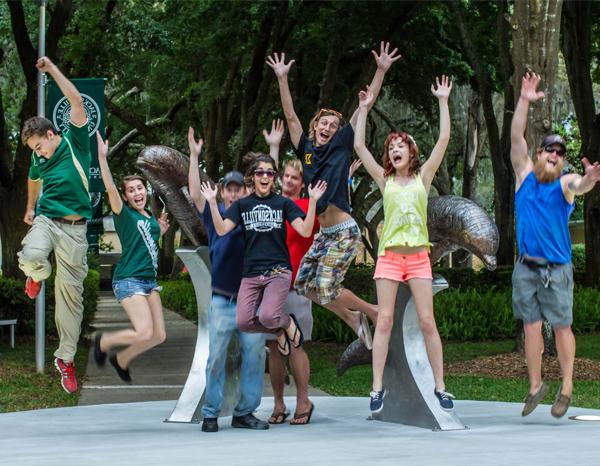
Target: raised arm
(365, 99)
(33, 193)
(282, 70)
(441, 89)
(521, 162)
(222, 226)
(273, 139)
(193, 172)
(114, 198)
(575, 185)
(384, 60)
(78, 116)
(304, 227)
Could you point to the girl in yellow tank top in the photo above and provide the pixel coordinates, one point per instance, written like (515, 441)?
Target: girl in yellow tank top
(404, 243)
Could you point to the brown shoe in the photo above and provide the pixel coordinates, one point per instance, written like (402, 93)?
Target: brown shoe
(532, 401)
(561, 404)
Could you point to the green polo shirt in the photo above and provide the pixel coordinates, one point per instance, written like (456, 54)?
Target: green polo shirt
(65, 176)
(139, 237)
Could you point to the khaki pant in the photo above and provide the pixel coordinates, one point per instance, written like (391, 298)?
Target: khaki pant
(69, 244)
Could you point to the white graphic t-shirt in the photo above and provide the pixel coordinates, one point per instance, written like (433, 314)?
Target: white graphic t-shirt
(263, 222)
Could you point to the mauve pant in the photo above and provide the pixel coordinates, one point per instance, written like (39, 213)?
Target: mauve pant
(267, 292)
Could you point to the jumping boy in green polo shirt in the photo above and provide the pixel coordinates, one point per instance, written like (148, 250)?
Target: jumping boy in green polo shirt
(60, 164)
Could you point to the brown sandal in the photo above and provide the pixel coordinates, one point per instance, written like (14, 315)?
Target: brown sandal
(278, 417)
(306, 416)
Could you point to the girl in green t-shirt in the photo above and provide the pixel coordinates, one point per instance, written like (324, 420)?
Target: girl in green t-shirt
(134, 279)
(404, 243)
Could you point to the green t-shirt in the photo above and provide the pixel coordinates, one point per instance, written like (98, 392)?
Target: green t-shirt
(65, 176)
(139, 242)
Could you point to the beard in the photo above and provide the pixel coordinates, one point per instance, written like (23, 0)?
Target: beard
(545, 176)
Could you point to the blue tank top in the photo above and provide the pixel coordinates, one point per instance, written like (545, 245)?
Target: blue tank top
(543, 220)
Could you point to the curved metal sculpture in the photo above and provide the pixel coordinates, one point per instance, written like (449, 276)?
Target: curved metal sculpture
(453, 222)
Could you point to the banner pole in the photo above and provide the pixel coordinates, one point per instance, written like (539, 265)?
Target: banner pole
(40, 301)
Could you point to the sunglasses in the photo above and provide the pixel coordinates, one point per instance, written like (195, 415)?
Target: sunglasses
(267, 173)
(329, 111)
(550, 149)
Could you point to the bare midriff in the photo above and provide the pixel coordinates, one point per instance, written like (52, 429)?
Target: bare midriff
(407, 249)
(333, 215)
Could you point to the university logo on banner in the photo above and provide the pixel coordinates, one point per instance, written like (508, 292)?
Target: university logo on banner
(62, 114)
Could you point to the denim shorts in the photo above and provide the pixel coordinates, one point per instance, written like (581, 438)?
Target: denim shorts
(128, 287)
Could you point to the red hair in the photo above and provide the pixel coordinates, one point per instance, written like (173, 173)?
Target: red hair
(413, 150)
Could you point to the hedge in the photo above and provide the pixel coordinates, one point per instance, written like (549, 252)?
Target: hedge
(14, 304)
(477, 306)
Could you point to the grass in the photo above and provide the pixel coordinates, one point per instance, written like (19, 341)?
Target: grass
(357, 380)
(22, 388)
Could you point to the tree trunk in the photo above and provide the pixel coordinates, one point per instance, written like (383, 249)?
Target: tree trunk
(499, 141)
(576, 48)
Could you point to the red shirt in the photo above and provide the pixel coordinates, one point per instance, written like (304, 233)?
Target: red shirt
(298, 245)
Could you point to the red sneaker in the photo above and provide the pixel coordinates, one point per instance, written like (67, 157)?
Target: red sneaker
(67, 372)
(32, 288)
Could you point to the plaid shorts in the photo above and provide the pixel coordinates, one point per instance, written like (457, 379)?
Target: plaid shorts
(324, 266)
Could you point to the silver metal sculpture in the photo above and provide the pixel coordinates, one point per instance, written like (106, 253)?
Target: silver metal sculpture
(453, 222)
(167, 170)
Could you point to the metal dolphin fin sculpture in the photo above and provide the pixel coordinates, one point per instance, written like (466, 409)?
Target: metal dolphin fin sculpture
(454, 223)
(167, 171)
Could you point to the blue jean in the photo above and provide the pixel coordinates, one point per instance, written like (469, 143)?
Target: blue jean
(221, 326)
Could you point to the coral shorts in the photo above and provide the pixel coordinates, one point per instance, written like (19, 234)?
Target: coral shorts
(403, 267)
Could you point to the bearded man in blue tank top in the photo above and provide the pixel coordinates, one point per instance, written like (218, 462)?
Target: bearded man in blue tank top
(543, 275)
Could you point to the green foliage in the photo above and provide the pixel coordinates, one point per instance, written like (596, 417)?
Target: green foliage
(578, 253)
(14, 304)
(179, 296)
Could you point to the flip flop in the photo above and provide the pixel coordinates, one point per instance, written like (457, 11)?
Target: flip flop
(284, 350)
(364, 332)
(297, 332)
(306, 416)
(278, 417)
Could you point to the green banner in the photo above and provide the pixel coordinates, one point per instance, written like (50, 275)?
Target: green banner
(59, 111)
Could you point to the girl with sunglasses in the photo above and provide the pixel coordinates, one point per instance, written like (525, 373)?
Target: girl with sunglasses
(325, 155)
(267, 269)
(404, 241)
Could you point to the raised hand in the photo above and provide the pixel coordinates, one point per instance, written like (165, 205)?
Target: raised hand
(195, 146)
(278, 65)
(353, 167)
(317, 190)
(529, 86)
(591, 171)
(102, 146)
(274, 137)
(385, 58)
(208, 192)
(163, 223)
(44, 64)
(442, 87)
(365, 98)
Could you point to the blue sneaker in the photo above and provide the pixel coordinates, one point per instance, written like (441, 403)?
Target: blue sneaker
(445, 399)
(377, 401)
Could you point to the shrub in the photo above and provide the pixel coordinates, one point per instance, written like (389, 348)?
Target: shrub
(179, 296)
(14, 304)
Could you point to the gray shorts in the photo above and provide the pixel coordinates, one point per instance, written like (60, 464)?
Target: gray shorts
(532, 301)
(301, 307)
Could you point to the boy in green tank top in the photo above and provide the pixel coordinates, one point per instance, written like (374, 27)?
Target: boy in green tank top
(60, 164)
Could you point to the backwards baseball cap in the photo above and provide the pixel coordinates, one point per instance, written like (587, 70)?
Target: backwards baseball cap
(553, 139)
(233, 177)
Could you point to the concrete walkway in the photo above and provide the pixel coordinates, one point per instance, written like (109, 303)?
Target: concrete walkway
(134, 434)
(158, 374)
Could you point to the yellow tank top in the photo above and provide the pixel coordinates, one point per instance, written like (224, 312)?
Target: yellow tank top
(405, 215)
